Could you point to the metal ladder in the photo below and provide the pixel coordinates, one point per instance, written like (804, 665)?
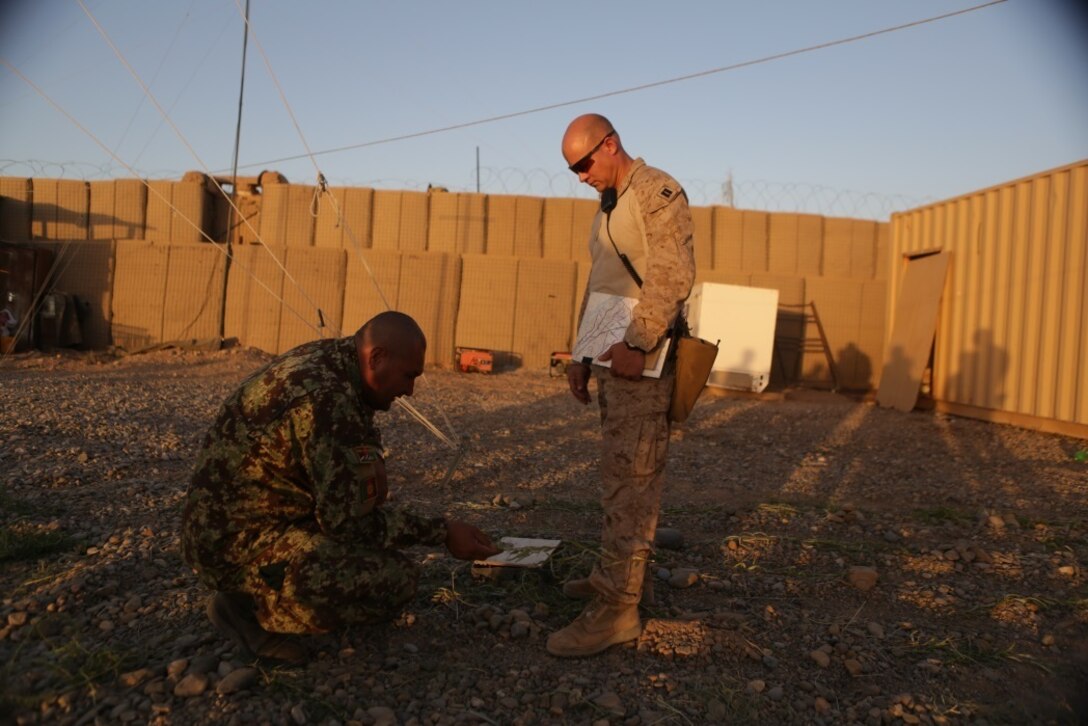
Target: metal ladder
(805, 344)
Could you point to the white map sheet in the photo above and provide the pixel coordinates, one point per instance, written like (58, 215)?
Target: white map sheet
(522, 552)
(604, 324)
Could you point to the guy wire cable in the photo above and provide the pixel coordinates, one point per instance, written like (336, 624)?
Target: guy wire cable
(640, 87)
(154, 77)
(196, 156)
(722, 69)
(322, 186)
(151, 189)
(50, 277)
(230, 201)
(357, 246)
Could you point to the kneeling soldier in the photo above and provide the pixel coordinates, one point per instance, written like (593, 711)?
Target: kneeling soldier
(284, 519)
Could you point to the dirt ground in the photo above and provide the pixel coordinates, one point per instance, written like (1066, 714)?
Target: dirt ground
(788, 506)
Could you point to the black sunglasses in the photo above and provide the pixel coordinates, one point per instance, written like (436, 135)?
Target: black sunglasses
(583, 164)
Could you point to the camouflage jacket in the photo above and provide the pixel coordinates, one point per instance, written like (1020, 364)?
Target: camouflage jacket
(294, 446)
(652, 226)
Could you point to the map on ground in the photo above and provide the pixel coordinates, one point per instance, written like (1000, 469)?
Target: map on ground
(604, 324)
(522, 552)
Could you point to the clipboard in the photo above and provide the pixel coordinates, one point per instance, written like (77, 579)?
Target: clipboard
(604, 324)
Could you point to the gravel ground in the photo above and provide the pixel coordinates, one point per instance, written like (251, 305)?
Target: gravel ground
(838, 563)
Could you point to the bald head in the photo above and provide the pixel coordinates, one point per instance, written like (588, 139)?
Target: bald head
(594, 152)
(584, 132)
(391, 348)
(393, 330)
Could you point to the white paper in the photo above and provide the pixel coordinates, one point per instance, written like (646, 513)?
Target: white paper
(604, 324)
(522, 552)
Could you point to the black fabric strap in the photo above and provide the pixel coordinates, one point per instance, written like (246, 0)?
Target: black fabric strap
(679, 328)
(623, 258)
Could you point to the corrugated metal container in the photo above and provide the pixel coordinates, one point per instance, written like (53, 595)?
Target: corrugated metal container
(1012, 336)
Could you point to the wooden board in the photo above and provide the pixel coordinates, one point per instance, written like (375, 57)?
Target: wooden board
(912, 332)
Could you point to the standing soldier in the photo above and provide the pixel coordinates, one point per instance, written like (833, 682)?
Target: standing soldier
(641, 246)
(283, 518)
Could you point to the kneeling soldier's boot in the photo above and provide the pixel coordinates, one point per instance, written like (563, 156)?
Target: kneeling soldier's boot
(579, 589)
(233, 616)
(601, 625)
(582, 589)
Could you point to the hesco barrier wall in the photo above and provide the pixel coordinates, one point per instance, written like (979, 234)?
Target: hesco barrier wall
(1012, 334)
(500, 272)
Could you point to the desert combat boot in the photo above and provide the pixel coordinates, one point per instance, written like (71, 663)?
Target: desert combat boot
(582, 589)
(600, 626)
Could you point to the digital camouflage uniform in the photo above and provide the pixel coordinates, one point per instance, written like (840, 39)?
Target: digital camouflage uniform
(285, 499)
(652, 225)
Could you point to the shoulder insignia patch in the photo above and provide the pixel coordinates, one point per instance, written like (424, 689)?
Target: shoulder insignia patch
(666, 193)
(366, 453)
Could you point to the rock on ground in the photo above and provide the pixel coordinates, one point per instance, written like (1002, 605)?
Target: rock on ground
(974, 535)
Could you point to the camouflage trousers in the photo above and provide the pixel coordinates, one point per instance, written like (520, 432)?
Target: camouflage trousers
(308, 583)
(634, 443)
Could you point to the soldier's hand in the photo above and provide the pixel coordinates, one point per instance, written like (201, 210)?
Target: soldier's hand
(465, 542)
(626, 362)
(578, 378)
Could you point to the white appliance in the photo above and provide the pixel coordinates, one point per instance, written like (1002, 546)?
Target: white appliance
(743, 320)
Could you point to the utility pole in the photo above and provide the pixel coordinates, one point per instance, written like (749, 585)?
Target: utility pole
(477, 169)
(727, 189)
(234, 175)
(238, 125)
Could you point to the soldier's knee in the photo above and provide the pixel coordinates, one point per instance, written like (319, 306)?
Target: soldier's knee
(384, 594)
(387, 581)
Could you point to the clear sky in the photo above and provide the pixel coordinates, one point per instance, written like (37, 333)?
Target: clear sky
(859, 129)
